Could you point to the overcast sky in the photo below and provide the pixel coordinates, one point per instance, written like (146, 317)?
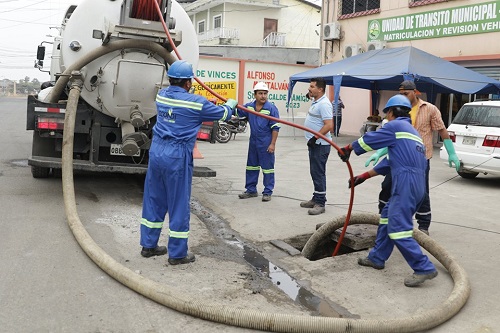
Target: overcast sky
(24, 24)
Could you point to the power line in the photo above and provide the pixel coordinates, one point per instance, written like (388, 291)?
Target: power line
(31, 56)
(29, 22)
(3, 49)
(18, 8)
(26, 22)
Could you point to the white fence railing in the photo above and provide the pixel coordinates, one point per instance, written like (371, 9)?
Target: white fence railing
(219, 33)
(275, 39)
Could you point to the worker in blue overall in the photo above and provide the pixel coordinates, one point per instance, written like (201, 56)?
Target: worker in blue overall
(167, 187)
(407, 163)
(262, 143)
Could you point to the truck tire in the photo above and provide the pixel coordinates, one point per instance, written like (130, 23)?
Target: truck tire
(468, 175)
(39, 172)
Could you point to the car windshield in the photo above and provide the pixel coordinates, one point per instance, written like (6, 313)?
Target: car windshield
(478, 115)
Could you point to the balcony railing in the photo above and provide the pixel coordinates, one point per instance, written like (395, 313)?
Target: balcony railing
(219, 33)
(275, 39)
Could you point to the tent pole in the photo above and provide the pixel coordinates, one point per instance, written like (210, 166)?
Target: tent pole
(450, 109)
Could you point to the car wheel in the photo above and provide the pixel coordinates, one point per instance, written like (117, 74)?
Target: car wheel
(39, 172)
(468, 175)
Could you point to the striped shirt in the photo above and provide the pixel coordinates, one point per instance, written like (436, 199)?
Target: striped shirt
(428, 119)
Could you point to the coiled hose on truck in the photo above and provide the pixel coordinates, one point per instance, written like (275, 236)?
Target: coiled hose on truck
(209, 310)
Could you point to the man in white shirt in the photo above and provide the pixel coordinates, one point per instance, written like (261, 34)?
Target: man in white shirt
(319, 119)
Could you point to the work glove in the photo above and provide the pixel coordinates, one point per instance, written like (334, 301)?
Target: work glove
(344, 153)
(376, 156)
(359, 179)
(312, 142)
(452, 155)
(231, 103)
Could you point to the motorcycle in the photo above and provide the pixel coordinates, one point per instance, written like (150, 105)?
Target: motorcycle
(225, 130)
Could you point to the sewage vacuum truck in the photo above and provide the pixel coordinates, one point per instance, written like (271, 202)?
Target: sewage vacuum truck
(120, 51)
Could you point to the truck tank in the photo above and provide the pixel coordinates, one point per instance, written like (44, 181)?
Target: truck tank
(117, 108)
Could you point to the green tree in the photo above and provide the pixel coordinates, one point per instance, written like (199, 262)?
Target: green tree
(24, 86)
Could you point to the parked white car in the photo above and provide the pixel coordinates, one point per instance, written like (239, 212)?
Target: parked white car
(475, 133)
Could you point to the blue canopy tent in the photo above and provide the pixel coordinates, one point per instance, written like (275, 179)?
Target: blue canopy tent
(385, 69)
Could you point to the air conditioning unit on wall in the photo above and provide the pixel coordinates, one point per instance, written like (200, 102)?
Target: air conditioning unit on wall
(352, 50)
(376, 45)
(331, 31)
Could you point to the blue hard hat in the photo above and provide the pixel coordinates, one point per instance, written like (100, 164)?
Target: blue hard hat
(181, 69)
(397, 100)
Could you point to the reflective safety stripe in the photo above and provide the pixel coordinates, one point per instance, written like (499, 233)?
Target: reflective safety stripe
(383, 220)
(178, 234)
(399, 135)
(152, 225)
(401, 234)
(276, 125)
(382, 201)
(363, 145)
(266, 112)
(179, 103)
(406, 135)
(267, 170)
(253, 168)
(226, 108)
(319, 192)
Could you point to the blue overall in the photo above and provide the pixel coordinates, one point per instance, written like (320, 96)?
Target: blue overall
(261, 130)
(407, 164)
(167, 187)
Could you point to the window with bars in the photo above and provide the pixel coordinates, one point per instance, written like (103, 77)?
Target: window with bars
(416, 3)
(217, 21)
(347, 7)
(201, 27)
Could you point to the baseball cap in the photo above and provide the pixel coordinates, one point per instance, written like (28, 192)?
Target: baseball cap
(408, 85)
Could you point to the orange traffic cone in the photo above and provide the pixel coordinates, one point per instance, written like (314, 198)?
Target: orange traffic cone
(196, 152)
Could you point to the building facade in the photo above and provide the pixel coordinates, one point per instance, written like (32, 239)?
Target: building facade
(465, 32)
(266, 23)
(460, 31)
(243, 42)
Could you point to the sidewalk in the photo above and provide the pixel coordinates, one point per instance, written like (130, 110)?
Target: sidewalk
(464, 223)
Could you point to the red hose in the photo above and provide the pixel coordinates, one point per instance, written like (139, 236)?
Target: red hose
(145, 10)
(349, 210)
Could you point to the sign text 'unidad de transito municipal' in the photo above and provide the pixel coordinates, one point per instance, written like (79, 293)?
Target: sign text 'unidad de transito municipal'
(470, 19)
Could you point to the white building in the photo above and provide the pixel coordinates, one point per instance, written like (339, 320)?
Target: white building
(465, 32)
(278, 23)
(242, 42)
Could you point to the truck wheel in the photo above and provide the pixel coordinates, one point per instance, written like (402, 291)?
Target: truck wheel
(468, 175)
(40, 172)
(223, 134)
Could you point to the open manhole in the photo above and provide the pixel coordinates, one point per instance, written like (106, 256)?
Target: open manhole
(294, 289)
(357, 238)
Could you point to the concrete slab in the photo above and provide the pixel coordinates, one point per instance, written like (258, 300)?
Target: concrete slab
(285, 247)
